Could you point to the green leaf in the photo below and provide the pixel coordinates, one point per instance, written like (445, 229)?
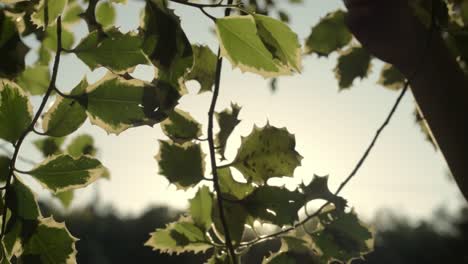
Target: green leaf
(179, 237)
(241, 45)
(329, 35)
(353, 63)
(343, 236)
(72, 13)
(266, 153)
(65, 198)
(318, 189)
(281, 258)
(66, 115)
(22, 201)
(118, 52)
(63, 172)
(35, 79)
(15, 111)
(276, 205)
(227, 121)
(180, 126)
(172, 155)
(50, 243)
(49, 146)
(116, 104)
(81, 145)
(236, 218)
(391, 78)
(50, 40)
(281, 41)
(200, 208)
(165, 42)
(204, 67)
(231, 188)
(12, 48)
(4, 168)
(105, 14)
(54, 9)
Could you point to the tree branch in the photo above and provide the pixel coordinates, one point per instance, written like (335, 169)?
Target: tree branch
(30, 128)
(211, 143)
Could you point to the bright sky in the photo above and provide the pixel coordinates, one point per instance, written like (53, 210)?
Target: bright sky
(332, 130)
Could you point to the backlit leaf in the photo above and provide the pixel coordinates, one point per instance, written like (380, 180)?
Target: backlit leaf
(227, 121)
(66, 115)
(65, 198)
(280, 40)
(266, 153)
(180, 126)
(204, 67)
(15, 111)
(178, 237)
(116, 104)
(50, 40)
(329, 35)
(50, 243)
(165, 42)
(49, 146)
(63, 172)
(22, 201)
(236, 218)
(200, 208)
(54, 9)
(242, 46)
(105, 14)
(35, 79)
(391, 78)
(81, 145)
(118, 52)
(318, 189)
(172, 155)
(353, 63)
(231, 188)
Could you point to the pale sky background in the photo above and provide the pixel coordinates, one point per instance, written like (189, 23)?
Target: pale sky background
(332, 130)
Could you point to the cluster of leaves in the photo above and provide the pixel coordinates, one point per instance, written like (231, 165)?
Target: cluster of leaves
(253, 42)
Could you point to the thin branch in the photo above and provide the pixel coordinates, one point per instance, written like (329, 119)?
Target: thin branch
(216, 185)
(217, 5)
(38, 132)
(30, 128)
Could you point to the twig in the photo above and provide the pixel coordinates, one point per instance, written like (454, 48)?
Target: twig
(30, 128)
(211, 143)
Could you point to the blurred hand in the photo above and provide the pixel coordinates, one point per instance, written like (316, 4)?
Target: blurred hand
(389, 30)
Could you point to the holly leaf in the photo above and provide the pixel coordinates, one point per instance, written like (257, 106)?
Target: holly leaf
(118, 52)
(204, 67)
(276, 205)
(231, 188)
(63, 172)
(66, 115)
(50, 39)
(50, 243)
(241, 44)
(391, 78)
(180, 126)
(65, 198)
(47, 12)
(15, 111)
(227, 121)
(179, 237)
(72, 13)
(105, 14)
(22, 201)
(281, 41)
(343, 237)
(329, 35)
(236, 218)
(165, 42)
(49, 146)
(172, 155)
(353, 63)
(12, 48)
(81, 145)
(266, 153)
(116, 104)
(200, 208)
(35, 79)
(318, 189)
